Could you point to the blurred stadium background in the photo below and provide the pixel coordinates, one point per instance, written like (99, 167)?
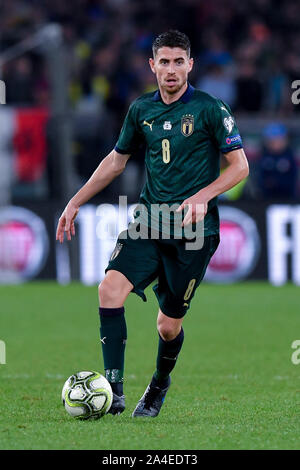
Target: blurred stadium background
(70, 70)
(70, 73)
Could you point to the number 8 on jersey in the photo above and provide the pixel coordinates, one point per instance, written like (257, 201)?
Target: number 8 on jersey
(165, 143)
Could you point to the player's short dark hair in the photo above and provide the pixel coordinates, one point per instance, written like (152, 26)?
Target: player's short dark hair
(172, 38)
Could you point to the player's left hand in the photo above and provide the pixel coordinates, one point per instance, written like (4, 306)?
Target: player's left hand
(197, 209)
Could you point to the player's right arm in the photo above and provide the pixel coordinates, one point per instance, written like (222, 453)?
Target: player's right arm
(110, 167)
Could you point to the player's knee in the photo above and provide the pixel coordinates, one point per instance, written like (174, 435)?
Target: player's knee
(111, 293)
(168, 327)
(168, 331)
(108, 292)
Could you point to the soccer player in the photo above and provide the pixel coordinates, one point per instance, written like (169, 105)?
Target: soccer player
(184, 130)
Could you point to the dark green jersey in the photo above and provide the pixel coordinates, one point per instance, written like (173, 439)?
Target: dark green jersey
(183, 144)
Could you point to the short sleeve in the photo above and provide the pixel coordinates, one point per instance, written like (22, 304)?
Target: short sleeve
(130, 137)
(222, 127)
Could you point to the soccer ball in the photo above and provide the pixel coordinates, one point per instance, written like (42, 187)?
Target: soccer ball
(87, 395)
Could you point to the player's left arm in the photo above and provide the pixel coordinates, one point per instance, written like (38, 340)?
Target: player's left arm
(237, 169)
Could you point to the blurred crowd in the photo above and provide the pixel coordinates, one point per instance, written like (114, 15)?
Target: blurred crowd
(246, 53)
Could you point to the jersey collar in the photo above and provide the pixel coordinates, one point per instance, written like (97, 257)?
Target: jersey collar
(185, 98)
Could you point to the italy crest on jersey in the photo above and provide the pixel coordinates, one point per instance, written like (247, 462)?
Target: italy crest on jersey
(187, 124)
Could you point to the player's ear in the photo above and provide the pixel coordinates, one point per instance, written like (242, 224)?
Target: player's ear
(191, 63)
(151, 63)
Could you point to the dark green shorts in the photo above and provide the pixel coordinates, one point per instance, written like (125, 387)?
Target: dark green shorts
(178, 271)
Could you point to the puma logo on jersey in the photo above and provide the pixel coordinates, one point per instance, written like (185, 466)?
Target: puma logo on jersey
(146, 123)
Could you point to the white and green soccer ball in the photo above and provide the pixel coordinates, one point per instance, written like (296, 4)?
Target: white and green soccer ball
(87, 394)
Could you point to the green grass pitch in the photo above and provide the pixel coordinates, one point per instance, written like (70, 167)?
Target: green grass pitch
(234, 386)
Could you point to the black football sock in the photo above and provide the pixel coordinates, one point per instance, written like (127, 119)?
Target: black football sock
(168, 352)
(113, 335)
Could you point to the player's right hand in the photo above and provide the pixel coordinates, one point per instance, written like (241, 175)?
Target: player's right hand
(66, 223)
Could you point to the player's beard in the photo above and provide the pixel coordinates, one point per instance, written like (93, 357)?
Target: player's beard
(172, 90)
